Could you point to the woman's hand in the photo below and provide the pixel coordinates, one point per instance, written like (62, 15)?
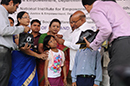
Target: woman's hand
(42, 56)
(26, 47)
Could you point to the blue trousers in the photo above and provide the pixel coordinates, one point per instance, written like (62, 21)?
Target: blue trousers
(84, 81)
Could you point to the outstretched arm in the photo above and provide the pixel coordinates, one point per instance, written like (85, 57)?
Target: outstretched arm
(40, 47)
(26, 50)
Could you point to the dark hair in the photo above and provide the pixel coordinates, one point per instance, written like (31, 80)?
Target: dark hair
(6, 2)
(45, 42)
(54, 20)
(11, 19)
(19, 15)
(88, 2)
(35, 20)
(109, 0)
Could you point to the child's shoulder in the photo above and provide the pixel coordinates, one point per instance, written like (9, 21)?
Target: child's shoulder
(60, 50)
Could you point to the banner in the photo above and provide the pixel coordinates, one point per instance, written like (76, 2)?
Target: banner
(46, 10)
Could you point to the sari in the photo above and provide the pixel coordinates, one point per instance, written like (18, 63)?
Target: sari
(24, 71)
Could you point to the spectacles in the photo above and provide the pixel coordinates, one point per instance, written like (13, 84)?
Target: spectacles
(26, 17)
(75, 21)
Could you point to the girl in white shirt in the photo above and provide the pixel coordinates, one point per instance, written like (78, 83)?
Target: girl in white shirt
(54, 63)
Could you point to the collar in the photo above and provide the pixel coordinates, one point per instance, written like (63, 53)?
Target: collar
(38, 35)
(94, 4)
(85, 27)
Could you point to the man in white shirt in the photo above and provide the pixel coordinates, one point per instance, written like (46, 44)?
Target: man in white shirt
(67, 33)
(6, 38)
(79, 21)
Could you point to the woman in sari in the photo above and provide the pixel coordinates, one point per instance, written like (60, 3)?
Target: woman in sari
(24, 71)
(54, 28)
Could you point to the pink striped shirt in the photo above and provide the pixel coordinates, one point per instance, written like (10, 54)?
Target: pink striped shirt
(111, 20)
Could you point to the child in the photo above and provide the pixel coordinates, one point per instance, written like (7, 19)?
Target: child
(87, 70)
(53, 63)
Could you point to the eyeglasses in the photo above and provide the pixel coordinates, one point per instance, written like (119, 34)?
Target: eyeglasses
(75, 21)
(26, 17)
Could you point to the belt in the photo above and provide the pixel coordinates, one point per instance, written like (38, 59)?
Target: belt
(6, 47)
(87, 76)
(120, 38)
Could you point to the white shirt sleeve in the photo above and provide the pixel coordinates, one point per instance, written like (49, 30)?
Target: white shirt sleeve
(5, 28)
(73, 38)
(71, 45)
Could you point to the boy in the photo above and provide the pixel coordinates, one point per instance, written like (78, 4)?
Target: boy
(87, 70)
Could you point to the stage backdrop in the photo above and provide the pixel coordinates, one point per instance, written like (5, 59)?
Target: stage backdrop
(46, 10)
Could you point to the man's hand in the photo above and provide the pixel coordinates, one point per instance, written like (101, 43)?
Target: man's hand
(59, 40)
(74, 84)
(59, 36)
(87, 43)
(26, 29)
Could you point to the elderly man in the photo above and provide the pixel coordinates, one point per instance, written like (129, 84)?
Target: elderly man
(79, 22)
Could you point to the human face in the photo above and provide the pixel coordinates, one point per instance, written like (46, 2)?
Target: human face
(88, 7)
(52, 43)
(35, 27)
(54, 28)
(25, 20)
(72, 24)
(11, 22)
(76, 21)
(11, 7)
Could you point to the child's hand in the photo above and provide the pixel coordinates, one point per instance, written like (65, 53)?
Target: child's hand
(95, 85)
(74, 84)
(65, 82)
(47, 83)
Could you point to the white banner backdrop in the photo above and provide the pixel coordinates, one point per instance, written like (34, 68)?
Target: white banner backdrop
(46, 10)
